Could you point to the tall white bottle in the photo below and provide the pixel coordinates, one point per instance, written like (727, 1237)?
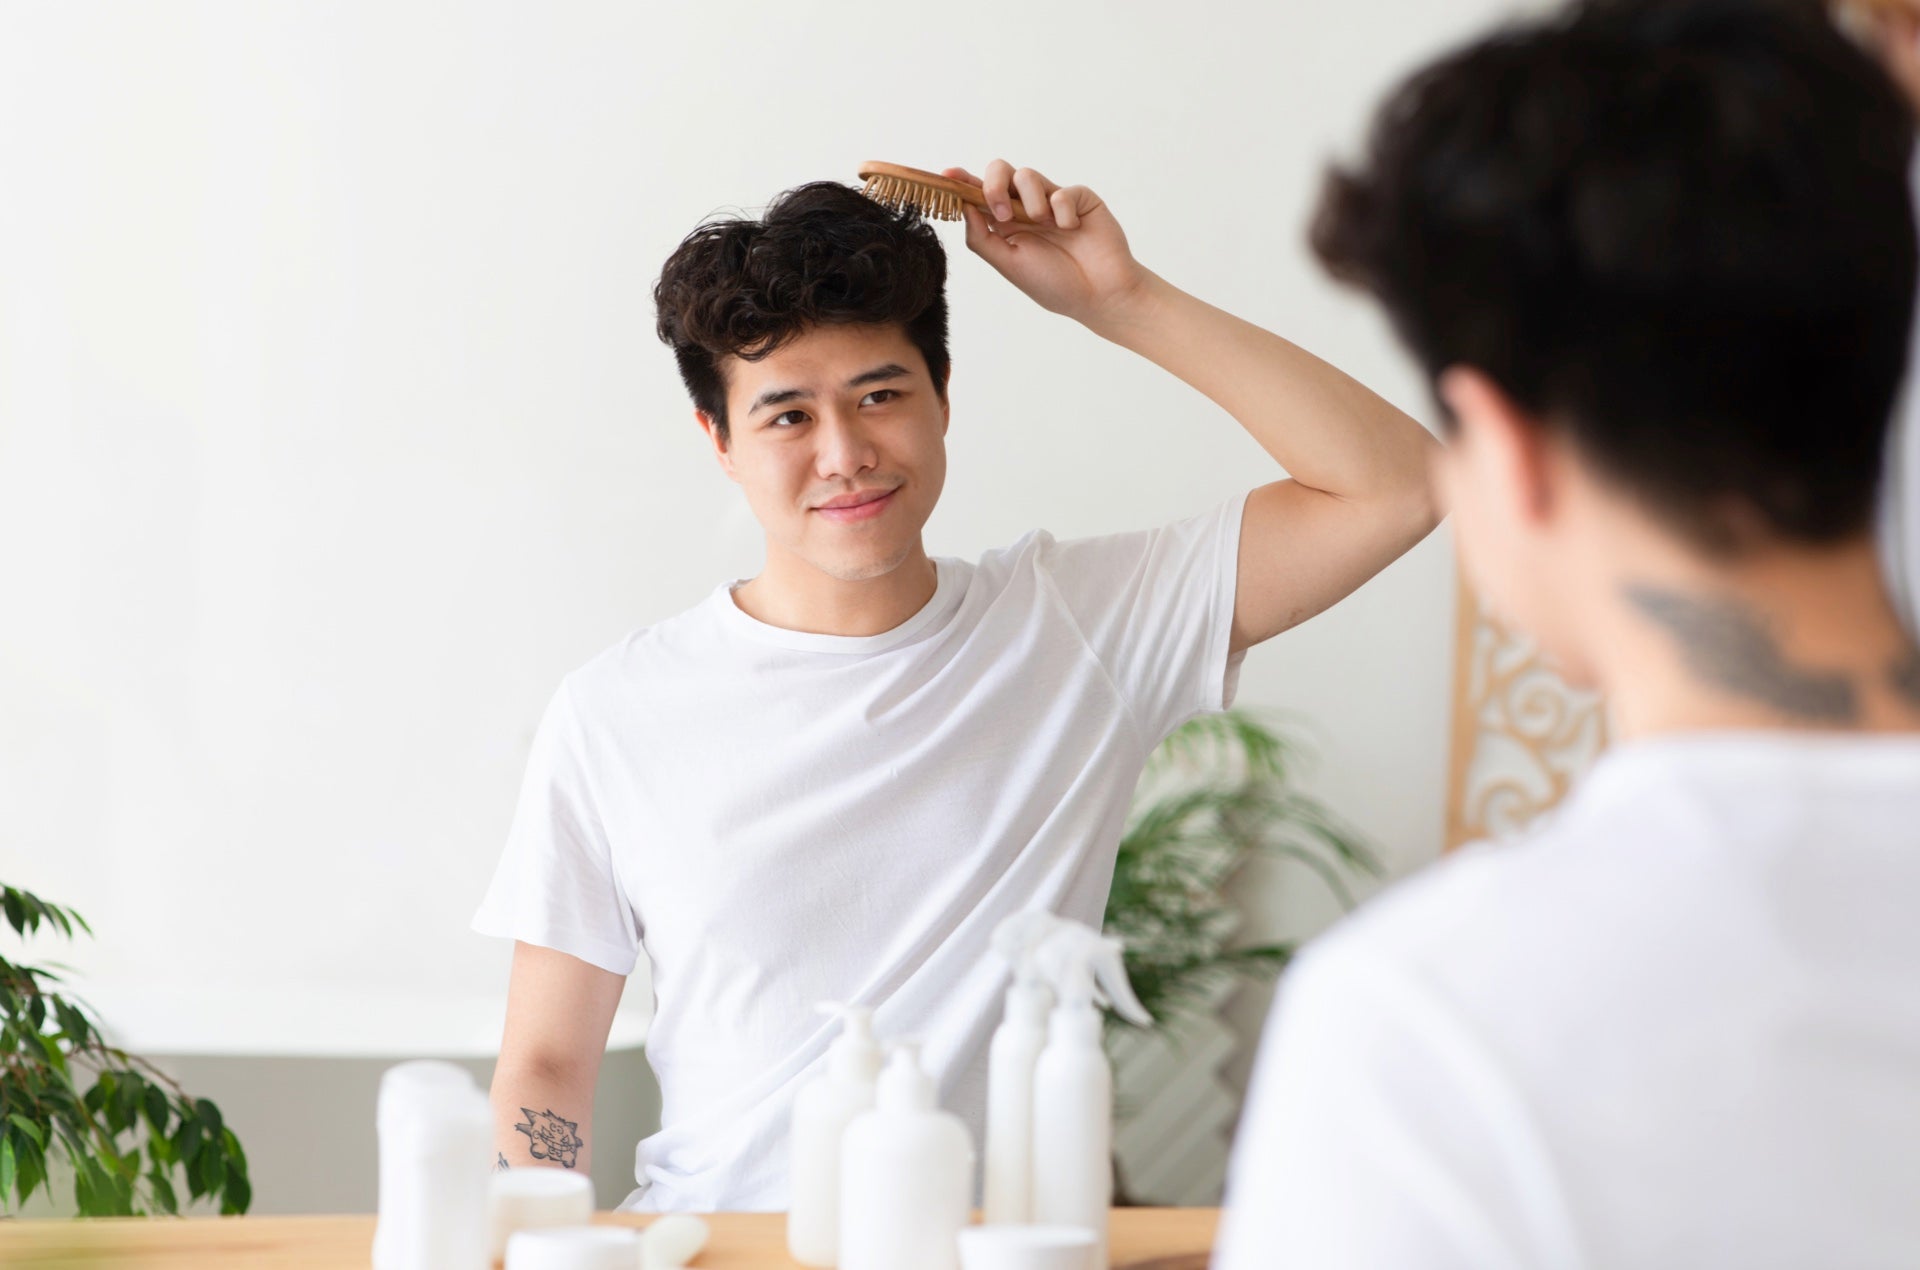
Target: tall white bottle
(906, 1176)
(1073, 1082)
(822, 1110)
(1016, 1048)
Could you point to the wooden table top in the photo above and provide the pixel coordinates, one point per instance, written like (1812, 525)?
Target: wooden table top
(1140, 1238)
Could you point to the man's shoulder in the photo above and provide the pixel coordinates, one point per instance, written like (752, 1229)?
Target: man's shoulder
(669, 646)
(1493, 920)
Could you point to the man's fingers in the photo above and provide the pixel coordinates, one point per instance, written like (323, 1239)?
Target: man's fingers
(1068, 203)
(1034, 189)
(981, 239)
(961, 174)
(997, 185)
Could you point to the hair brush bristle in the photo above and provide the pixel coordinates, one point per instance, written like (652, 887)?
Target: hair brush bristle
(899, 194)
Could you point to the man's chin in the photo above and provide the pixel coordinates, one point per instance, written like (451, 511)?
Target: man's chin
(843, 569)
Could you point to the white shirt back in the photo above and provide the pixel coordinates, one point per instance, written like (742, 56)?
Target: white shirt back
(779, 819)
(1677, 1026)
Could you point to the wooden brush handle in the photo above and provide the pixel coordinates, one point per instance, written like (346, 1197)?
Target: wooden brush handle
(934, 181)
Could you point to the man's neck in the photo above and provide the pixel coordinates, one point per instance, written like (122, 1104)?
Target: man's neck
(794, 595)
(1799, 640)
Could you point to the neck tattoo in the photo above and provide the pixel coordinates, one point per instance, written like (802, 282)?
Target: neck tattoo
(1728, 644)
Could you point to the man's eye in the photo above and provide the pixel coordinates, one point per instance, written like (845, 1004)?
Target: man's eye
(781, 419)
(879, 395)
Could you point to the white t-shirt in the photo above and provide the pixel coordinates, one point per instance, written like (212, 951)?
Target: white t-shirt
(778, 819)
(1678, 1026)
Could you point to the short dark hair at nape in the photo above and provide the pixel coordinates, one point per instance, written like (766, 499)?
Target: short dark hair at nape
(1678, 232)
(821, 254)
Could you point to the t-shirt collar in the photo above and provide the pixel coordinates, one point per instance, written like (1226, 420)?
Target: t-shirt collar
(948, 587)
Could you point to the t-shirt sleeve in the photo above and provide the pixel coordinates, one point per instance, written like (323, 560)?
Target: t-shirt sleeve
(556, 885)
(1156, 607)
(1379, 1133)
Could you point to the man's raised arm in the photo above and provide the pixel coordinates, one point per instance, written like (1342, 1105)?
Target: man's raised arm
(1358, 495)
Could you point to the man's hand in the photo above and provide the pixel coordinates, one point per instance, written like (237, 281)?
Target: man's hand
(1073, 260)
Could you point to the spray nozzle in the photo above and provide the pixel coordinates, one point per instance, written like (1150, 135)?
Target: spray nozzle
(1089, 969)
(854, 1054)
(1017, 940)
(905, 1085)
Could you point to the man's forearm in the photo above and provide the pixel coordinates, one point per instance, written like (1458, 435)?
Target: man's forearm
(541, 1119)
(1324, 427)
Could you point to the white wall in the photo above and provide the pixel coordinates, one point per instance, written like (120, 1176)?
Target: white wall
(333, 430)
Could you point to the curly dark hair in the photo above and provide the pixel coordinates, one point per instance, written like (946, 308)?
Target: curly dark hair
(1679, 232)
(823, 254)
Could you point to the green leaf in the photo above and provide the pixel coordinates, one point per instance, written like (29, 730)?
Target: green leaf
(32, 1172)
(16, 911)
(187, 1141)
(156, 1109)
(31, 1129)
(7, 1167)
(72, 1023)
(209, 1115)
(163, 1196)
(128, 1097)
(212, 1166)
(236, 1157)
(239, 1196)
(194, 1174)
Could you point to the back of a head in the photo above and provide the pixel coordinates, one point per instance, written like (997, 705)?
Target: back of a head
(1679, 231)
(821, 254)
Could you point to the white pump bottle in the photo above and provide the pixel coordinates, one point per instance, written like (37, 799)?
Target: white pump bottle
(1073, 1081)
(906, 1176)
(822, 1110)
(1016, 1048)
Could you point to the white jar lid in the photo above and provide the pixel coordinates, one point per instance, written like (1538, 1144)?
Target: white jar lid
(574, 1248)
(535, 1199)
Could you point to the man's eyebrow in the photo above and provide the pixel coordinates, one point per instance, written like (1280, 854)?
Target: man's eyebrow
(781, 396)
(776, 397)
(892, 370)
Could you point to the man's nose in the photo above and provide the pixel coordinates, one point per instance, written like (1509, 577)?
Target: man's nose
(845, 446)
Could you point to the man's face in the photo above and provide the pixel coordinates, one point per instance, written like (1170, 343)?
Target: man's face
(838, 440)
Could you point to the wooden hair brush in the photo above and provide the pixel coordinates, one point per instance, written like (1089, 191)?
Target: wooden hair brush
(934, 196)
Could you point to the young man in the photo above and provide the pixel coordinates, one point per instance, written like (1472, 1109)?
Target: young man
(832, 781)
(1658, 257)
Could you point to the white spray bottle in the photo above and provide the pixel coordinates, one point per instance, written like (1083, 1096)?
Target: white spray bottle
(1073, 1082)
(822, 1110)
(906, 1176)
(1017, 1043)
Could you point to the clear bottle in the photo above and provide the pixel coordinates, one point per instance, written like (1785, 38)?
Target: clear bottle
(822, 1110)
(906, 1176)
(1017, 1043)
(1073, 1082)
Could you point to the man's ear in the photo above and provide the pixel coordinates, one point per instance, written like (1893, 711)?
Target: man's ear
(712, 429)
(1504, 447)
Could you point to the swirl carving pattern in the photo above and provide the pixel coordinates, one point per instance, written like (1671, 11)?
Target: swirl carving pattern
(1521, 734)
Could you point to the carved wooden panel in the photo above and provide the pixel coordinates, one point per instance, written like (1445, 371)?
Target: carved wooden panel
(1521, 734)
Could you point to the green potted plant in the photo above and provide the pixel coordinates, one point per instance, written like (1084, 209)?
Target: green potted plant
(1217, 793)
(125, 1129)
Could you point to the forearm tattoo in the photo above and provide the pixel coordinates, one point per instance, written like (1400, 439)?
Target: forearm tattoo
(502, 1166)
(552, 1138)
(1727, 644)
